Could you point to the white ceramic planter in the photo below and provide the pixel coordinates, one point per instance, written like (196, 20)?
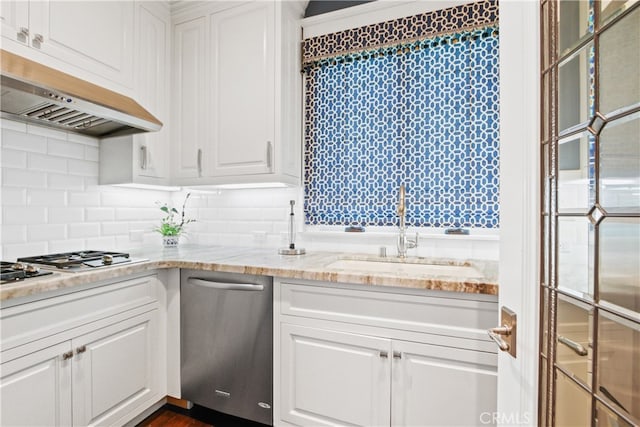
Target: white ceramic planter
(170, 241)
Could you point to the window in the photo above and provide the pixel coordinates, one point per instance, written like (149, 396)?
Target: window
(412, 101)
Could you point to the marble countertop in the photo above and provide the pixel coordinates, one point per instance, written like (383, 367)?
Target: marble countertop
(472, 276)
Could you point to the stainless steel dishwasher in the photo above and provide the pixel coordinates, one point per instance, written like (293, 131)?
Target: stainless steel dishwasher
(227, 342)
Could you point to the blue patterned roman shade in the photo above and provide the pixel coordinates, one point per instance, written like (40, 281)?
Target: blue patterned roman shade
(411, 101)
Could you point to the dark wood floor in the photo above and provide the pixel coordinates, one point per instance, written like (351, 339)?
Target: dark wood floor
(172, 416)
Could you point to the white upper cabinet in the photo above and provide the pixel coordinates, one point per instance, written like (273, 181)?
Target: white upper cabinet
(75, 37)
(243, 92)
(236, 84)
(144, 158)
(189, 101)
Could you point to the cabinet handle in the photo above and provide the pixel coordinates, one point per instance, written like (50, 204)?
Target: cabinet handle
(199, 161)
(81, 349)
(384, 354)
(68, 355)
(397, 355)
(38, 39)
(269, 155)
(143, 157)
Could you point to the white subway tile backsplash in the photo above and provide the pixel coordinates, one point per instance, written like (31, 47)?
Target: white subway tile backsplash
(10, 196)
(13, 125)
(65, 182)
(46, 232)
(69, 150)
(127, 197)
(13, 158)
(83, 139)
(84, 199)
(45, 163)
(100, 214)
(23, 141)
(137, 214)
(46, 131)
(23, 178)
(66, 245)
(14, 233)
(48, 198)
(114, 228)
(82, 230)
(91, 153)
(65, 215)
(24, 215)
(101, 243)
(11, 252)
(83, 167)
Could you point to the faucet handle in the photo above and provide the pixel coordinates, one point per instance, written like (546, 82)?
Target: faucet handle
(413, 243)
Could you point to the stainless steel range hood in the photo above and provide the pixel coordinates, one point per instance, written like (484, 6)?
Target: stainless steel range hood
(38, 94)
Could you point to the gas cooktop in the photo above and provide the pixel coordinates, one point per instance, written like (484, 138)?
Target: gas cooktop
(11, 272)
(70, 260)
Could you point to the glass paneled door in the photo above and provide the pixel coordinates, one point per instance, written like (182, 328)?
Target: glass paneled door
(590, 272)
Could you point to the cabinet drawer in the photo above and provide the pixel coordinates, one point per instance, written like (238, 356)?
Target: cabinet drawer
(31, 321)
(464, 317)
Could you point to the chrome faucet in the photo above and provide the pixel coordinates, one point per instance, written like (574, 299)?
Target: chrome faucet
(404, 243)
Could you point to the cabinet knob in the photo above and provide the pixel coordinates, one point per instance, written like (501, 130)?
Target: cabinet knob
(81, 349)
(397, 355)
(384, 354)
(68, 355)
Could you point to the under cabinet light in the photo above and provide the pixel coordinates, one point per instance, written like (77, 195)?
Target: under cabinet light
(149, 187)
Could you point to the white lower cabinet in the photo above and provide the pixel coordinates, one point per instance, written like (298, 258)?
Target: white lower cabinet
(441, 386)
(113, 371)
(372, 370)
(104, 371)
(334, 378)
(36, 389)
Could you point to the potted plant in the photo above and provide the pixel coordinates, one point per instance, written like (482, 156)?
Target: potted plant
(172, 225)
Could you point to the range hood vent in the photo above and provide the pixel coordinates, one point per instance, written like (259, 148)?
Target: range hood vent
(38, 94)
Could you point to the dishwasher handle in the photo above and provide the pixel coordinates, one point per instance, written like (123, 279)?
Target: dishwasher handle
(213, 284)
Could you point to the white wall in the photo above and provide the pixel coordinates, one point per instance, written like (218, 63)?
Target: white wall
(51, 202)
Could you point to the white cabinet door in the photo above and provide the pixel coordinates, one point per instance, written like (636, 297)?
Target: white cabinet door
(190, 89)
(152, 71)
(115, 370)
(36, 388)
(96, 36)
(442, 386)
(243, 92)
(14, 19)
(333, 378)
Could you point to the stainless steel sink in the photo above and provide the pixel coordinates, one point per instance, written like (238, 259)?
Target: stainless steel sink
(407, 266)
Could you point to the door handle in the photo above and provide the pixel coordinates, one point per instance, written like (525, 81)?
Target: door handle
(199, 160)
(505, 335)
(573, 345)
(494, 334)
(212, 284)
